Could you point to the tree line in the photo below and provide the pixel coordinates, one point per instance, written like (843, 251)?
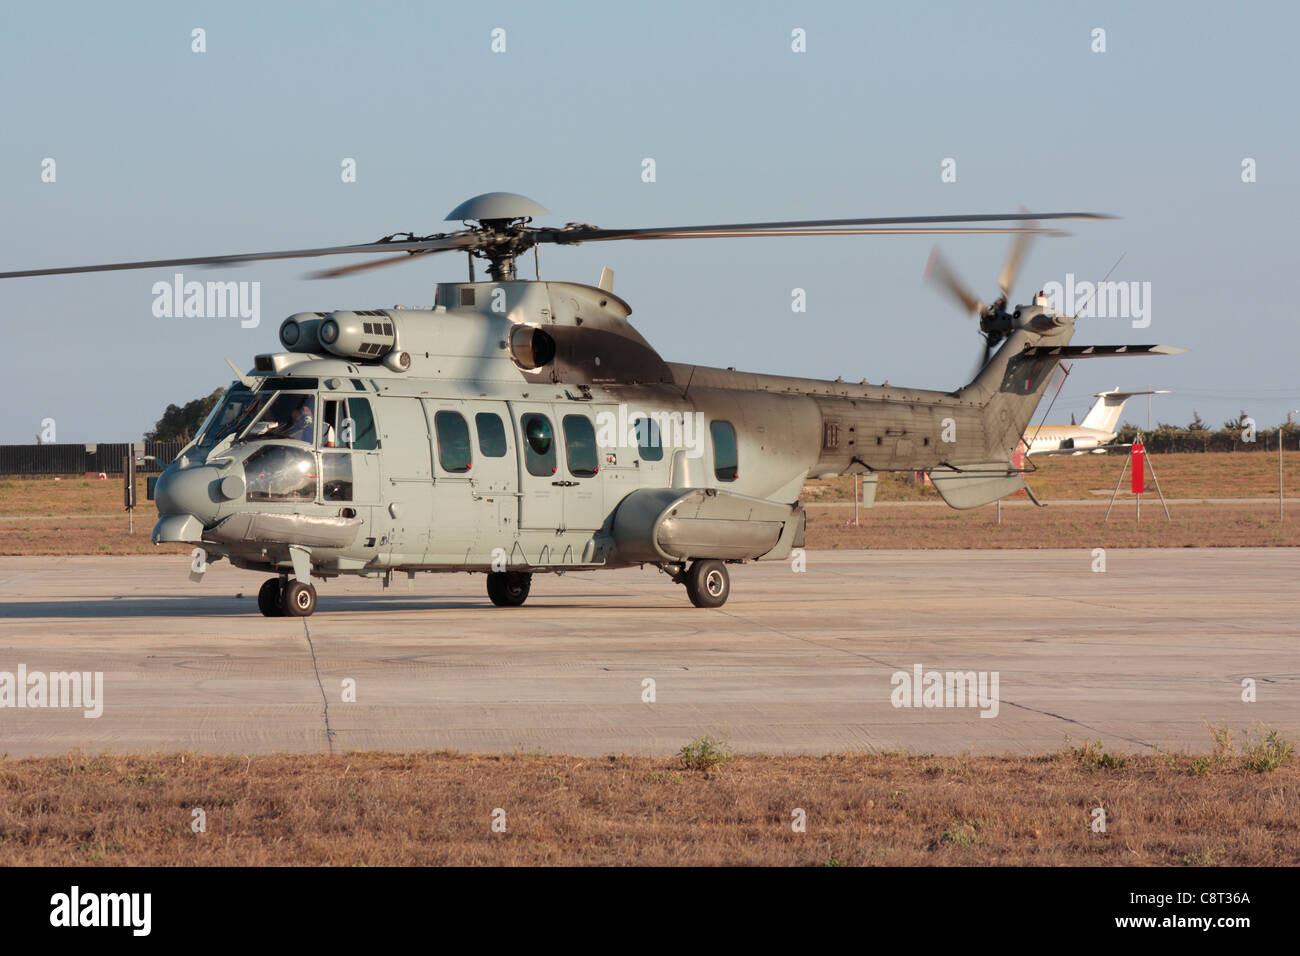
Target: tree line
(1239, 434)
(181, 422)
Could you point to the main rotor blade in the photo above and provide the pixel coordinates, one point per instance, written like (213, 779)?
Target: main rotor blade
(364, 266)
(936, 270)
(438, 244)
(594, 234)
(745, 233)
(574, 233)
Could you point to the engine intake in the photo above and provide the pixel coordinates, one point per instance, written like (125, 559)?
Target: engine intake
(300, 331)
(367, 335)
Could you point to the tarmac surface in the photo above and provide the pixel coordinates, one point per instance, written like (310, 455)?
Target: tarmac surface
(1142, 655)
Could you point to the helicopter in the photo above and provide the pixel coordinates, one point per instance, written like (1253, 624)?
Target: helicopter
(521, 427)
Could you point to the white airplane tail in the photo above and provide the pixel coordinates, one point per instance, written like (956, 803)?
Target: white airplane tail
(1104, 415)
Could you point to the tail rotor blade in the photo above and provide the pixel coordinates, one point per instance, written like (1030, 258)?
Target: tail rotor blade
(937, 270)
(1019, 246)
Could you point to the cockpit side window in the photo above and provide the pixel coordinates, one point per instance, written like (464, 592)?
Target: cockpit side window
(281, 473)
(329, 423)
(358, 430)
(290, 415)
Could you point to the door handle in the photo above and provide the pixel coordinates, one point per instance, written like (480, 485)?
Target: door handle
(564, 484)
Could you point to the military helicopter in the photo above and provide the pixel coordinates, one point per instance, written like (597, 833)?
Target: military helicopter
(524, 426)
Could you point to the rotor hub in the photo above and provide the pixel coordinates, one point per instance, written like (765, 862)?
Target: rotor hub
(501, 241)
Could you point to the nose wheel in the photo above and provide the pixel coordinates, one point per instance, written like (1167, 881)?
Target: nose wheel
(707, 583)
(280, 597)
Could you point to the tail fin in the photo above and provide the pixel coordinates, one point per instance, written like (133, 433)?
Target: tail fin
(1008, 390)
(1104, 415)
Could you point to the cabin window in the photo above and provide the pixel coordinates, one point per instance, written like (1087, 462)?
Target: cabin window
(725, 464)
(539, 445)
(280, 473)
(580, 446)
(453, 442)
(649, 442)
(491, 435)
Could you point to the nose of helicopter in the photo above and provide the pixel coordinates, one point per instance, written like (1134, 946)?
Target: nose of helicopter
(188, 500)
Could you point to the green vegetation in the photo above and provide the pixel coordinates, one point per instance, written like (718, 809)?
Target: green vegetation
(1271, 751)
(1093, 757)
(961, 833)
(704, 753)
(180, 422)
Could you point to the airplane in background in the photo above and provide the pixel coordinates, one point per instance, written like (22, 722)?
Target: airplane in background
(1099, 428)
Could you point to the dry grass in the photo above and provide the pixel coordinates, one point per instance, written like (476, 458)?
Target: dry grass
(1193, 525)
(437, 808)
(1213, 475)
(83, 535)
(74, 516)
(49, 496)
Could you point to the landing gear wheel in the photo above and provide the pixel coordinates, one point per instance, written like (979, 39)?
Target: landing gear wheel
(299, 599)
(268, 599)
(707, 583)
(509, 588)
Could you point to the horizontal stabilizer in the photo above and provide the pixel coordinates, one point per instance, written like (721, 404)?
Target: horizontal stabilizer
(1115, 396)
(969, 486)
(1072, 352)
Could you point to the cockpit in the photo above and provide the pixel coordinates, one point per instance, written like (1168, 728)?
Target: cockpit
(277, 410)
(276, 429)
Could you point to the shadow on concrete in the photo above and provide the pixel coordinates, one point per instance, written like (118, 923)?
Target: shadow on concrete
(199, 606)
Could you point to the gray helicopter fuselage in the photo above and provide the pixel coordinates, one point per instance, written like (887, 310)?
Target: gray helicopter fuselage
(528, 426)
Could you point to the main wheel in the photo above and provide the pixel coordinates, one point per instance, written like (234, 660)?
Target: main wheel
(299, 599)
(509, 588)
(707, 583)
(268, 599)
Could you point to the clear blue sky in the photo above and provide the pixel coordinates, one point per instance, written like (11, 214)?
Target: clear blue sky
(164, 152)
